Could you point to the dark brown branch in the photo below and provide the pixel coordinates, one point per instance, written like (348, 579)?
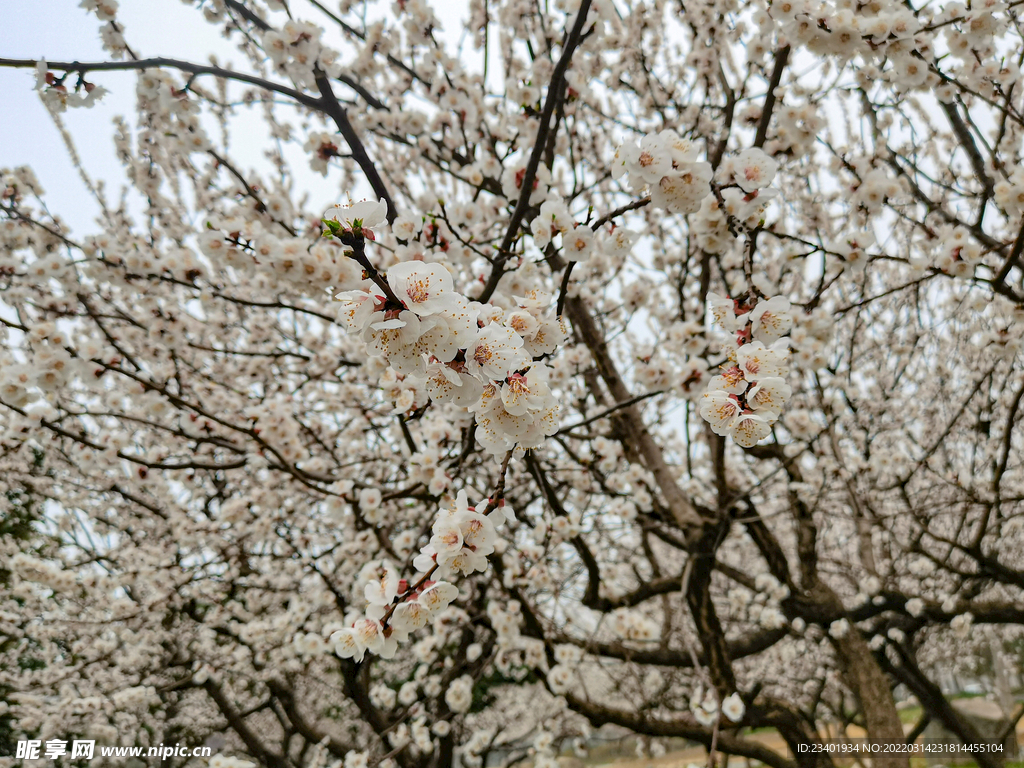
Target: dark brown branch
(592, 596)
(608, 411)
(642, 722)
(963, 135)
(554, 95)
(637, 436)
(563, 289)
(730, 113)
(248, 15)
(329, 104)
(239, 726)
(357, 244)
(1011, 420)
(350, 30)
(286, 696)
(781, 58)
(749, 645)
(1013, 258)
(635, 205)
(934, 702)
(696, 584)
(157, 62)
(918, 729)
(249, 191)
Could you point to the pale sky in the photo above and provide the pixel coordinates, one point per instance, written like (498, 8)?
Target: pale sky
(61, 31)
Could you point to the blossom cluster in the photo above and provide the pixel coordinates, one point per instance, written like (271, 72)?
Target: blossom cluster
(461, 541)
(395, 610)
(762, 605)
(57, 96)
(705, 706)
(231, 239)
(808, 338)
(1009, 194)
(666, 164)
(957, 253)
(177, 115)
(322, 146)
(474, 355)
(577, 240)
(633, 625)
(111, 32)
(826, 28)
(747, 398)
(297, 51)
(715, 223)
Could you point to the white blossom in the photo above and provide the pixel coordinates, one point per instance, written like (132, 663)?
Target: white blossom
(365, 215)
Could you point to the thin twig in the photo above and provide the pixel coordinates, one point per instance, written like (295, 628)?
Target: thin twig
(609, 410)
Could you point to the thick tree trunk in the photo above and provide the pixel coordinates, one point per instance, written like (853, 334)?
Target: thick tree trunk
(796, 730)
(870, 685)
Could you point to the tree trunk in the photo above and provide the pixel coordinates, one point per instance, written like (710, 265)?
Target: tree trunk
(870, 685)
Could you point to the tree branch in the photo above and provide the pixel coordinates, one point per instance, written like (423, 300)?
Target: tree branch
(158, 62)
(781, 58)
(553, 96)
(329, 104)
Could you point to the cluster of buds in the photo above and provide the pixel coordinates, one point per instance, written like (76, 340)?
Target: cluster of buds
(747, 398)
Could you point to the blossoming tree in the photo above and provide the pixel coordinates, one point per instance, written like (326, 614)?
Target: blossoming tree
(656, 364)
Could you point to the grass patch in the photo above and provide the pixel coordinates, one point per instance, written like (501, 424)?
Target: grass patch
(910, 715)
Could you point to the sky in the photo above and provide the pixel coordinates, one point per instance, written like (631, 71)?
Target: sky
(59, 30)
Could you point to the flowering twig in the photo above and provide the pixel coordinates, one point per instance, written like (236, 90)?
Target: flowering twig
(357, 243)
(553, 96)
(495, 500)
(161, 62)
(633, 206)
(399, 599)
